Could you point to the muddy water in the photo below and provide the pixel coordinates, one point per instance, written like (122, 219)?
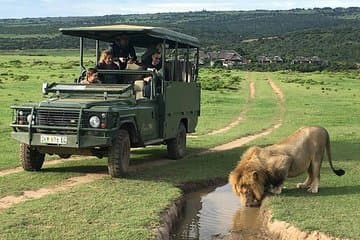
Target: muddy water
(216, 213)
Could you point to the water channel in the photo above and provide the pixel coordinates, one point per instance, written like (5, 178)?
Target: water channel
(216, 213)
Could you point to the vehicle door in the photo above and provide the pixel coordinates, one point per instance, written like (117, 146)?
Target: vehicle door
(147, 113)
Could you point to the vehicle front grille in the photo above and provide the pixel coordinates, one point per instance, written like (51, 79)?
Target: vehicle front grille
(62, 118)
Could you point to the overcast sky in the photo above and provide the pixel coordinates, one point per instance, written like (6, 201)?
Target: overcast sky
(52, 8)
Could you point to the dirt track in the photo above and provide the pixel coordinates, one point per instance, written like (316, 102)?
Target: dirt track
(238, 120)
(244, 140)
(9, 201)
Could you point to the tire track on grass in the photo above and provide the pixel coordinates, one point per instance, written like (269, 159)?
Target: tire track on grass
(10, 200)
(239, 119)
(249, 138)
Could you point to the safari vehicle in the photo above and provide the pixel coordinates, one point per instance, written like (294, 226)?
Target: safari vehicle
(108, 119)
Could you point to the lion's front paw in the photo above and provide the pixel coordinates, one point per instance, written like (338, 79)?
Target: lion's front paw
(313, 189)
(276, 190)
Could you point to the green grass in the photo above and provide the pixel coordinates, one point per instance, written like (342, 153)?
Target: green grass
(220, 108)
(130, 208)
(106, 209)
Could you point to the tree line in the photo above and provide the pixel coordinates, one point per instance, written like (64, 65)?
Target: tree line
(332, 34)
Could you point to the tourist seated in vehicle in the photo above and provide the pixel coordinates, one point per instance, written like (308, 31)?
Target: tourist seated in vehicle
(153, 64)
(106, 63)
(123, 51)
(91, 77)
(146, 58)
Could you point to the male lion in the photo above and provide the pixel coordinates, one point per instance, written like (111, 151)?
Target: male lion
(262, 169)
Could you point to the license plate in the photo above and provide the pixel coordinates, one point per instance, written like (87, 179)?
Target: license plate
(52, 139)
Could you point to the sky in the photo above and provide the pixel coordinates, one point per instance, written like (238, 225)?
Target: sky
(55, 8)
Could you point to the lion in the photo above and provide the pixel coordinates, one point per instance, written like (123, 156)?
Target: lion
(265, 169)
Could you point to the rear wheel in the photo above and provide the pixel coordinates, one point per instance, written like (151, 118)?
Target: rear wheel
(31, 158)
(119, 154)
(176, 147)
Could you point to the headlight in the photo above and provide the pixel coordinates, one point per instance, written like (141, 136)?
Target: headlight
(94, 121)
(28, 118)
(23, 117)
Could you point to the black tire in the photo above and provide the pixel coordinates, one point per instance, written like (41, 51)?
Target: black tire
(65, 156)
(31, 159)
(119, 154)
(176, 147)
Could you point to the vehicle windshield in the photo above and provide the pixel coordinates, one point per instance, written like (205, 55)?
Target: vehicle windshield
(94, 90)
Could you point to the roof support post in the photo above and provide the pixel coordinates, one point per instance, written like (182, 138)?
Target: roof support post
(82, 68)
(187, 63)
(197, 64)
(175, 61)
(163, 56)
(97, 51)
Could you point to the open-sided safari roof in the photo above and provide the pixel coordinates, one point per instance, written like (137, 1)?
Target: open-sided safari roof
(141, 36)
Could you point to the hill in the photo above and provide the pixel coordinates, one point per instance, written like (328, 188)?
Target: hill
(332, 34)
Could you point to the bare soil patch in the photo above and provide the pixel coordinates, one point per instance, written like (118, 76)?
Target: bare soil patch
(276, 90)
(252, 90)
(259, 224)
(284, 231)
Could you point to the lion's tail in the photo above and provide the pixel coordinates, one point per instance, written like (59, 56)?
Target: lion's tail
(340, 171)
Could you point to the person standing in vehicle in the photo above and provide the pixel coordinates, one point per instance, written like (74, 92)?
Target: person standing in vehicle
(106, 63)
(123, 51)
(153, 64)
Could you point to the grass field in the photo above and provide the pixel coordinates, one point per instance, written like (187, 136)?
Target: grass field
(130, 208)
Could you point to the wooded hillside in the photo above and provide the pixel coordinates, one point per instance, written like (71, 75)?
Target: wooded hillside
(332, 34)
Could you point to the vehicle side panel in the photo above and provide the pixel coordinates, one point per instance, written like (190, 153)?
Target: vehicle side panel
(182, 103)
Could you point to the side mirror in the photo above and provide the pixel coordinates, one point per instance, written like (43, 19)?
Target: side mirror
(45, 86)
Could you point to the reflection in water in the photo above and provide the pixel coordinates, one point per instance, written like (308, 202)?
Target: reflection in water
(248, 223)
(215, 213)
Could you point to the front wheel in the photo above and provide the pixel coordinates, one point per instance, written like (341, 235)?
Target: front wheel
(176, 147)
(31, 158)
(119, 154)
(65, 156)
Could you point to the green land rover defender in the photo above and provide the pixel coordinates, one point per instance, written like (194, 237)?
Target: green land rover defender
(107, 120)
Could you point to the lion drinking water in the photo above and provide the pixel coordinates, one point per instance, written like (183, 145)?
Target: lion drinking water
(262, 169)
